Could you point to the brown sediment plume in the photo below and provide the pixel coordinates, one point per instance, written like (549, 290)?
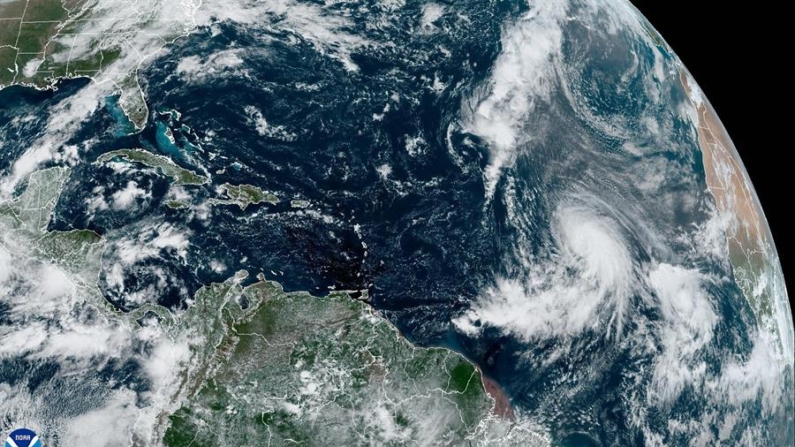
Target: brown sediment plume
(502, 403)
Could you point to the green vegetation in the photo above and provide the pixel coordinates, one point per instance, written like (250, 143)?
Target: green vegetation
(164, 165)
(461, 375)
(94, 62)
(45, 35)
(12, 9)
(752, 270)
(9, 29)
(183, 431)
(31, 210)
(69, 249)
(45, 40)
(77, 252)
(7, 57)
(244, 195)
(33, 37)
(45, 11)
(327, 371)
(176, 204)
(284, 367)
(28, 27)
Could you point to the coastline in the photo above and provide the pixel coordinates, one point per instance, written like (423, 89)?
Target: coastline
(751, 249)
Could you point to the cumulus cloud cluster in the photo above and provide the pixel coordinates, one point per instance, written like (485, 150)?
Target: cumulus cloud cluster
(56, 324)
(584, 284)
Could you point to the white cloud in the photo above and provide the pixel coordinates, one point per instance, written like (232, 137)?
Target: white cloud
(131, 252)
(150, 242)
(415, 145)
(112, 424)
(52, 320)
(83, 341)
(64, 120)
(178, 193)
(31, 67)
(523, 74)
(201, 212)
(322, 26)
(142, 31)
(588, 279)
(384, 171)
(96, 202)
(22, 339)
(689, 321)
(431, 12)
(217, 266)
(170, 237)
(125, 198)
(166, 361)
(54, 283)
(226, 62)
(258, 121)
(743, 380)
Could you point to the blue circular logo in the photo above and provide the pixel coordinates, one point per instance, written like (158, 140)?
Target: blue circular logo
(23, 437)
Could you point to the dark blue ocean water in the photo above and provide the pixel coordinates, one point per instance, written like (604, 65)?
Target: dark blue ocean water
(424, 241)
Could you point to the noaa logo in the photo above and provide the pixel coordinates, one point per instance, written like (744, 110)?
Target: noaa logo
(22, 437)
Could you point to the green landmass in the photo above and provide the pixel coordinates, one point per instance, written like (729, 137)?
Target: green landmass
(42, 41)
(320, 371)
(29, 30)
(244, 195)
(164, 165)
(176, 204)
(25, 219)
(267, 367)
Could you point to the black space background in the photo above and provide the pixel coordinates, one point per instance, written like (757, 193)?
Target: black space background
(738, 55)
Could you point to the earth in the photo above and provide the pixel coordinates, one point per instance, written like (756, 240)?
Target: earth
(376, 223)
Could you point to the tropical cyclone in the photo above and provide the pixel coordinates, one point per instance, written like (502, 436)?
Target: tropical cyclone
(556, 235)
